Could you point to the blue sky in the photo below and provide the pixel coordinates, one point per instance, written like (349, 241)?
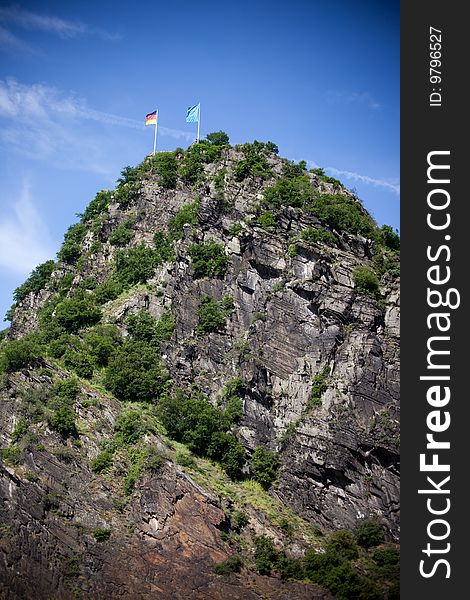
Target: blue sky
(318, 78)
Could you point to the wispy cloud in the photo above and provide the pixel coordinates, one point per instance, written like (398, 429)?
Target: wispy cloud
(39, 102)
(63, 28)
(13, 43)
(24, 237)
(40, 122)
(359, 98)
(388, 184)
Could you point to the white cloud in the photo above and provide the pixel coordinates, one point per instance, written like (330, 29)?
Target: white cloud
(50, 24)
(390, 185)
(12, 43)
(25, 241)
(43, 123)
(385, 183)
(360, 98)
(39, 103)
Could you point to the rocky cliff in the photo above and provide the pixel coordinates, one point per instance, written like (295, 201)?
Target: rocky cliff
(234, 282)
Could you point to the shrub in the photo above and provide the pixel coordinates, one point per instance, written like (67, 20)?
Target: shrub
(129, 427)
(271, 148)
(346, 584)
(35, 282)
(365, 280)
(163, 247)
(80, 362)
(101, 535)
(385, 557)
(191, 169)
(63, 421)
(389, 238)
(19, 430)
(142, 326)
(315, 235)
(231, 398)
(123, 234)
(126, 194)
(291, 170)
(68, 389)
(218, 138)
(186, 215)
(167, 169)
(17, 354)
(369, 533)
(290, 568)
(288, 191)
(134, 373)
(135, 265)
(154, 459)
(224, 448)
(265, 554)
(264, 465)
(110, 289)
(71, 248)
(343, 544)
(102, 462)
(97, 206)
(211, 317)
(254, 163)
(235, 229)
(185, 460)
(128, 175)
(267, 221)
(209, 260)
(101, 342)
(319, 387)
(194, 421)
(239, 519)
(75, 313)
(342, 213)
(165, 326)
(233, 564)
(11, 455)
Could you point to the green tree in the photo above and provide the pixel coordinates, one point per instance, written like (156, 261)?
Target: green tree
(129, 427)
(63, 421)
(209, 260)
(167, 169)
(389, 238)
(17, 354)
(97, 206)
(264, 465)
(266, 555)
(365, 280)
(135, 265)
(35, 282)
(134, 373)
(123, 234)
(369, 533)
(218, 138)
(343, 544)
(75, 313)
(71, 249)
(211, 317)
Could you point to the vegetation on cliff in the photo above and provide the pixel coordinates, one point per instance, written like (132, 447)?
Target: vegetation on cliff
(76, 326)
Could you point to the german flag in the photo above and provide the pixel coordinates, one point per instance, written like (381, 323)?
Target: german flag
(151, 118)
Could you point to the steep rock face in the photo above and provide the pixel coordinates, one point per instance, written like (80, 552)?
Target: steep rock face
(297, 318)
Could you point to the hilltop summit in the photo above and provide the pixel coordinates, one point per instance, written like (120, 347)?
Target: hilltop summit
(204, 389)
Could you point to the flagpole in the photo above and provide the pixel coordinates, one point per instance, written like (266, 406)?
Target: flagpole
(198, 121)
(155, 138)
